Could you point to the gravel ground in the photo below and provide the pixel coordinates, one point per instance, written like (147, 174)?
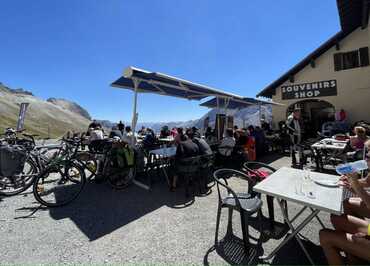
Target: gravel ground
(134, 226)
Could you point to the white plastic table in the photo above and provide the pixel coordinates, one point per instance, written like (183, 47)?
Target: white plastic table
(281, 185)
(165, 153)
(334, 144)
(333, 149)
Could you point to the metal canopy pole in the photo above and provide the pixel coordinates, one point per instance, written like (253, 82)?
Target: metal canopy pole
(134, 115)
(217, 118)
(227, 101)
(133, 126)
(260, 112)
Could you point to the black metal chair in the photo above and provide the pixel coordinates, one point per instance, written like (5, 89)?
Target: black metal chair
(188, 168)
(257, 172)
(243, 202)
(206, 168)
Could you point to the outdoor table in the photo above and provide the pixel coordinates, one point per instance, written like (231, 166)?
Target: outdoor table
(164, 154)
(166, 140)
(282, 186)
(331, 147)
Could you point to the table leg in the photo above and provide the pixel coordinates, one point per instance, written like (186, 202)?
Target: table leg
(294, 232)
(318, 219)
(165, 172)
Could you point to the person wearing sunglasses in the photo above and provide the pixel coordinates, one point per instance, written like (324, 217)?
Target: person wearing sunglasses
(352, 229)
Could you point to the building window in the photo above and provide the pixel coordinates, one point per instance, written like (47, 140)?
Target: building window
(352, 59)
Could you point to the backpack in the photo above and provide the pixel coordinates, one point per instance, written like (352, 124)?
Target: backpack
(12, 160)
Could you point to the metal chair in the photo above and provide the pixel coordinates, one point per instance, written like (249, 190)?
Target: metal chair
(206, 167)
(243, 202)
(188, 168)
(258, 171)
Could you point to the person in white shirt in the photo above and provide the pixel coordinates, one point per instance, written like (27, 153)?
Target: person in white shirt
(227, 143)
(128, 137)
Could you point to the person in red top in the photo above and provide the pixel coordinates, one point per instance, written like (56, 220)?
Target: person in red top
(342, 115)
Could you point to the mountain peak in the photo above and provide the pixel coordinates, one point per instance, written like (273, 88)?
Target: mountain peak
(71, 106)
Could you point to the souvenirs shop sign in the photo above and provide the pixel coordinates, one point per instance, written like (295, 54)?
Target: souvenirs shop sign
(309, 90)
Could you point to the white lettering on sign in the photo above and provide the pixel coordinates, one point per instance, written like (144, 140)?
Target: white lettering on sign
(309, 90)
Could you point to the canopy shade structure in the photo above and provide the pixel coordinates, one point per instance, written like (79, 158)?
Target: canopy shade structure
(234, 103)
(158, 83)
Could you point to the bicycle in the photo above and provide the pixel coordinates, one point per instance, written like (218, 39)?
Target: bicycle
(118, 173)
(35, 160)
(63, 179)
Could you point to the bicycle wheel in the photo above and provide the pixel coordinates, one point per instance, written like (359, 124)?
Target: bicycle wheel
(119, 178)
(56, 187)
(89, 163)
(10, 186)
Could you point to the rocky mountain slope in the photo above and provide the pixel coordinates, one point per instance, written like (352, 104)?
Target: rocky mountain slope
(55, 116)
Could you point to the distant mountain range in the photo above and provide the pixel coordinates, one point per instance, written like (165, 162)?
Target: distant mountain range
(242, 118)
(56, 116)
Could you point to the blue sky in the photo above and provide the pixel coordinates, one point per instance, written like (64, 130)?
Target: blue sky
(74, 49)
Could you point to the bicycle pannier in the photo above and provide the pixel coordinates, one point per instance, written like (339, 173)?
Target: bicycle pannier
(12, 160)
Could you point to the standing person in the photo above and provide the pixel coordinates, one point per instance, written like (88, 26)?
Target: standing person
(295, 133)
(121, 127)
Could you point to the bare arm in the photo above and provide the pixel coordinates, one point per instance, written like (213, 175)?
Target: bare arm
(359, 190)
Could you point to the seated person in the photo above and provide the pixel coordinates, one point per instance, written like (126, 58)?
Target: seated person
(141, 132)
(204, 148)
(164, 132)
(149, 139)
(95, 138)
(115, 133)
(357, 142)
(227, 143)
(352, 230)
(185, 149)
(180, 132)
(129, 137)
(173, 132)
(196, 132)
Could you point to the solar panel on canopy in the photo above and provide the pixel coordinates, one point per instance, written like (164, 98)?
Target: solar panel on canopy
(158, 83)
(234, 103)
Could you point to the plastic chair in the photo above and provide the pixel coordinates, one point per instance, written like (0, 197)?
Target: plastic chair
(244, 203)
(257, 172)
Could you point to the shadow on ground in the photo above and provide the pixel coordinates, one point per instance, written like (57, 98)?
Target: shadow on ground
(99, 210)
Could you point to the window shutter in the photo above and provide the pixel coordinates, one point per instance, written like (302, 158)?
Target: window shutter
(338, 62)
(364, 56)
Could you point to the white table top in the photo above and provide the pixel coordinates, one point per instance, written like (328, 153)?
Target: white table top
(282, 183)
(171, 139)
(335, 144)
(165, 152)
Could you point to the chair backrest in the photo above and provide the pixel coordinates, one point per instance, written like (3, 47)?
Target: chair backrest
(257, 171)
(221, 177)
(188, 165)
